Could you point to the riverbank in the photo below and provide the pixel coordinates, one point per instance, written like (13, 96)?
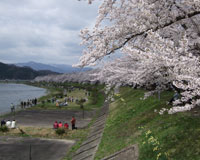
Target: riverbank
(12, 93)
(44, 114)
(38, 121)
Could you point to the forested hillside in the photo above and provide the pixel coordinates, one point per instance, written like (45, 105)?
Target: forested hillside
(22, 73)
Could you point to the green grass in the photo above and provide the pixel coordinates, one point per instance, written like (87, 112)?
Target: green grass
(99, 96)
(94, 101)
(47, 133)
(178, 135)
(76, 93)
(51, 92)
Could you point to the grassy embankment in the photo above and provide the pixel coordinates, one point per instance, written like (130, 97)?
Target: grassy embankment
(133, 121)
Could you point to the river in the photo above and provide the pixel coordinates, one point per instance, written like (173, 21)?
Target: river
(15, 93)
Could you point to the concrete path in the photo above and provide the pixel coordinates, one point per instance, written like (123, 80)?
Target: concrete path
(46, 118)
(89, 147)
(18, 148)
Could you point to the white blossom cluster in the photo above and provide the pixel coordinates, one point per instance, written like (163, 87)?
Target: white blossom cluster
(79, 77)
(160, 42)
(137, 27)
(125, 22)
(162, 111)
(159, 66)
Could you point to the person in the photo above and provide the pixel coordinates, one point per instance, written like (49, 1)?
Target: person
(86, 99)
(8, 123)
(22, 104)
(3, 123)
(174, 98)
(53, 99)
(60, 105)
(60, 125)
(55, 125)
(12, 108)
(72, 99)
(73, 123)
(30, 103)
(57, 103)
(65, 104)
(35, 101)
(66, 126)
(65, 99)
(13, 124)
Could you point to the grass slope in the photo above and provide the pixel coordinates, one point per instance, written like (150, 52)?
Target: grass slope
(133, 121)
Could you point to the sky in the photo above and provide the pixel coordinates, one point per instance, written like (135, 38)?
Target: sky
(44, 31)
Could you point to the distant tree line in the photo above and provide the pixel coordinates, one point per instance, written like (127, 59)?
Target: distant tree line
(20, 73)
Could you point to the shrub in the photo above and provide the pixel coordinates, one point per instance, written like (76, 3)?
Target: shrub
(4, 129)
(60, 131)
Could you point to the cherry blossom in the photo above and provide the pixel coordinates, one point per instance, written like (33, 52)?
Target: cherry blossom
(160, 43)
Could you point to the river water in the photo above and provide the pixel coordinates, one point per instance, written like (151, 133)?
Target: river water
(15, 93)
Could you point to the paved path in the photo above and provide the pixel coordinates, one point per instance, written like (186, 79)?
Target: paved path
(46, 118)
(18, 148)
(89, 147)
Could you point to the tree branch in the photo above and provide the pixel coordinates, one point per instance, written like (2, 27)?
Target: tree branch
(178, 18)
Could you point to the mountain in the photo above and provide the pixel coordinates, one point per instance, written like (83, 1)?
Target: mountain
(69, 69)
(39, 66)
(8, 71)
(59, 68)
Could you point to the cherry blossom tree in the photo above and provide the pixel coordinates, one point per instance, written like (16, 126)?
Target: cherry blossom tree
(126, 22)
(138, 28)
(159, 40)
(158, 66)
(79, 77)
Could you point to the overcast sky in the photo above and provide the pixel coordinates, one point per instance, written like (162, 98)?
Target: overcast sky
(45, 31)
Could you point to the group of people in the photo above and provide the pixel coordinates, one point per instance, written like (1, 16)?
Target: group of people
(87, 93)
(29, 103)
(8, 123)
(60, 104)
(57, 125)
(24, 104)
(68, 99)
